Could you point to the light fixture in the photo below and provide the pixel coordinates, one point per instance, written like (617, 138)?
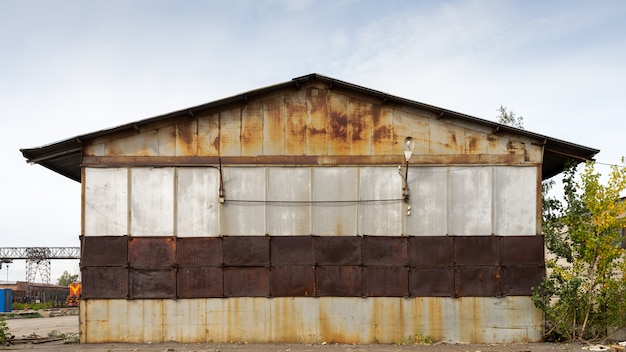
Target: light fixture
(408, 151)
(408, 148)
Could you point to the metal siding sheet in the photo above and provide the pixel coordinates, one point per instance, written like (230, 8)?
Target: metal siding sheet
(382, 130)
(252, 129)
(197, 205)
(152, 201)
(167, 140)
(246, 251)
(209, 135)
(230, 132)
(104, 282)
(432, 282)
(293, 250)
(330, 186)
(295, 122)
(290, 185)
(105, 202)
(384, 250)
(470, 201)
(431, 251)
(152, 283)
(145, 143)
(146, 252)
(515, 200)
(273, 126)
(386, 281)
(199, 282)
(292, 281)
(446, 138)
(317, 119)
(187, 138)
(199, 251)
(476, 250)
(518, 280)
(104, 251)
(360, 127)
(340, 281)
(429, 201)
(383, 216)
(243, 214)
(246, 282)
(337, 127)
(522, 250)
(478, 281)
(407, 124)
(338, 250)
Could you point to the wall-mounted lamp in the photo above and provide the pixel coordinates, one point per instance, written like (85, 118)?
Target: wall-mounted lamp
(408, 151)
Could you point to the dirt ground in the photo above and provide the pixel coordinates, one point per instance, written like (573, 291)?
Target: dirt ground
(69, 325)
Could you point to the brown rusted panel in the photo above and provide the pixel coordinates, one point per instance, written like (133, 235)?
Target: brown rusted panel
(431, 251)
(230, 132)
(340, 281)
(292, 281)
(383, 250)
(105, 251)
(200, 282)
(199, 251)
(104, 282)
(522, 250)
(386, 281)
(292, 250)
(316, 143)
(151, 252)
(187, 138)
(209, 135)
(246, 282)
(518, 280)
(337, 127)
(246, 251)
(152, 283)
(476, 250)
(252, 129)
(435, 282)
(480, 281)
(360, 127)
(382, 130)
(273, 127)
(340, 250)
(295, 122)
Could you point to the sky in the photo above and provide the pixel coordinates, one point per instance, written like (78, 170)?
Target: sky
(70, 67)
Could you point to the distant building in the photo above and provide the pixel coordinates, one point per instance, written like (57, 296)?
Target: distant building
(23, 292)
(282, 214)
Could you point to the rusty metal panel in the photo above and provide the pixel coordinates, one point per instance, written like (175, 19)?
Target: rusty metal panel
(105, 202)
(246, 282)
(360, 127)
(295, 121)
(380, 250)
(476, 142)
(246, 251)
(292, 281)
(408, 123)
(209, 135)
(197, 202)
(337, 127)
(145, 143)
(316, 136)
(331, 187)
(431, 251)
(187, 138)
(478, 281)
(340, 281)
(386, 281)
(152, 201)
(273, 126)
(429, 201)
(515, 200)
(166, 136)
(104, 282)
(522, 250)
(285, 215)
(152, 283)
(199, 251)
(252, 128)
(433, 282)
(470, 201)
(518, 280)
(244, 210)
(382, 216)
(104, 251)
(338, 250)
(230, 132)
(292, 250)
(152, 251)
(200, 282)
(382, 130)
(476, 250)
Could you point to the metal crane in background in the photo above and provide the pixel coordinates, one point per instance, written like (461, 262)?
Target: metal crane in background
(37, 259)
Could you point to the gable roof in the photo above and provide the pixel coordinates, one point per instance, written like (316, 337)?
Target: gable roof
(64, 157)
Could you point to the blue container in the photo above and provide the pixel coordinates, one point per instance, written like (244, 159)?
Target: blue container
(6, 300)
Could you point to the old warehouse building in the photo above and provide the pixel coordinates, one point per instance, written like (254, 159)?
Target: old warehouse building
(308, 211)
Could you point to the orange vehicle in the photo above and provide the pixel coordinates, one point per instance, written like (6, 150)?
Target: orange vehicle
(75, 291)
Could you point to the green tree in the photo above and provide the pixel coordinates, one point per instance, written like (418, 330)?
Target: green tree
(509, 118)
(66, 279)
(584, 292)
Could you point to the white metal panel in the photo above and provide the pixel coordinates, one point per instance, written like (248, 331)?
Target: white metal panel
(197, 211)
(471, 201)
(515, 201)
(106, 202)
(381, 207)
(334, 201)
(244, 209)
(152, 201)
(289, 207)
(429, 201)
